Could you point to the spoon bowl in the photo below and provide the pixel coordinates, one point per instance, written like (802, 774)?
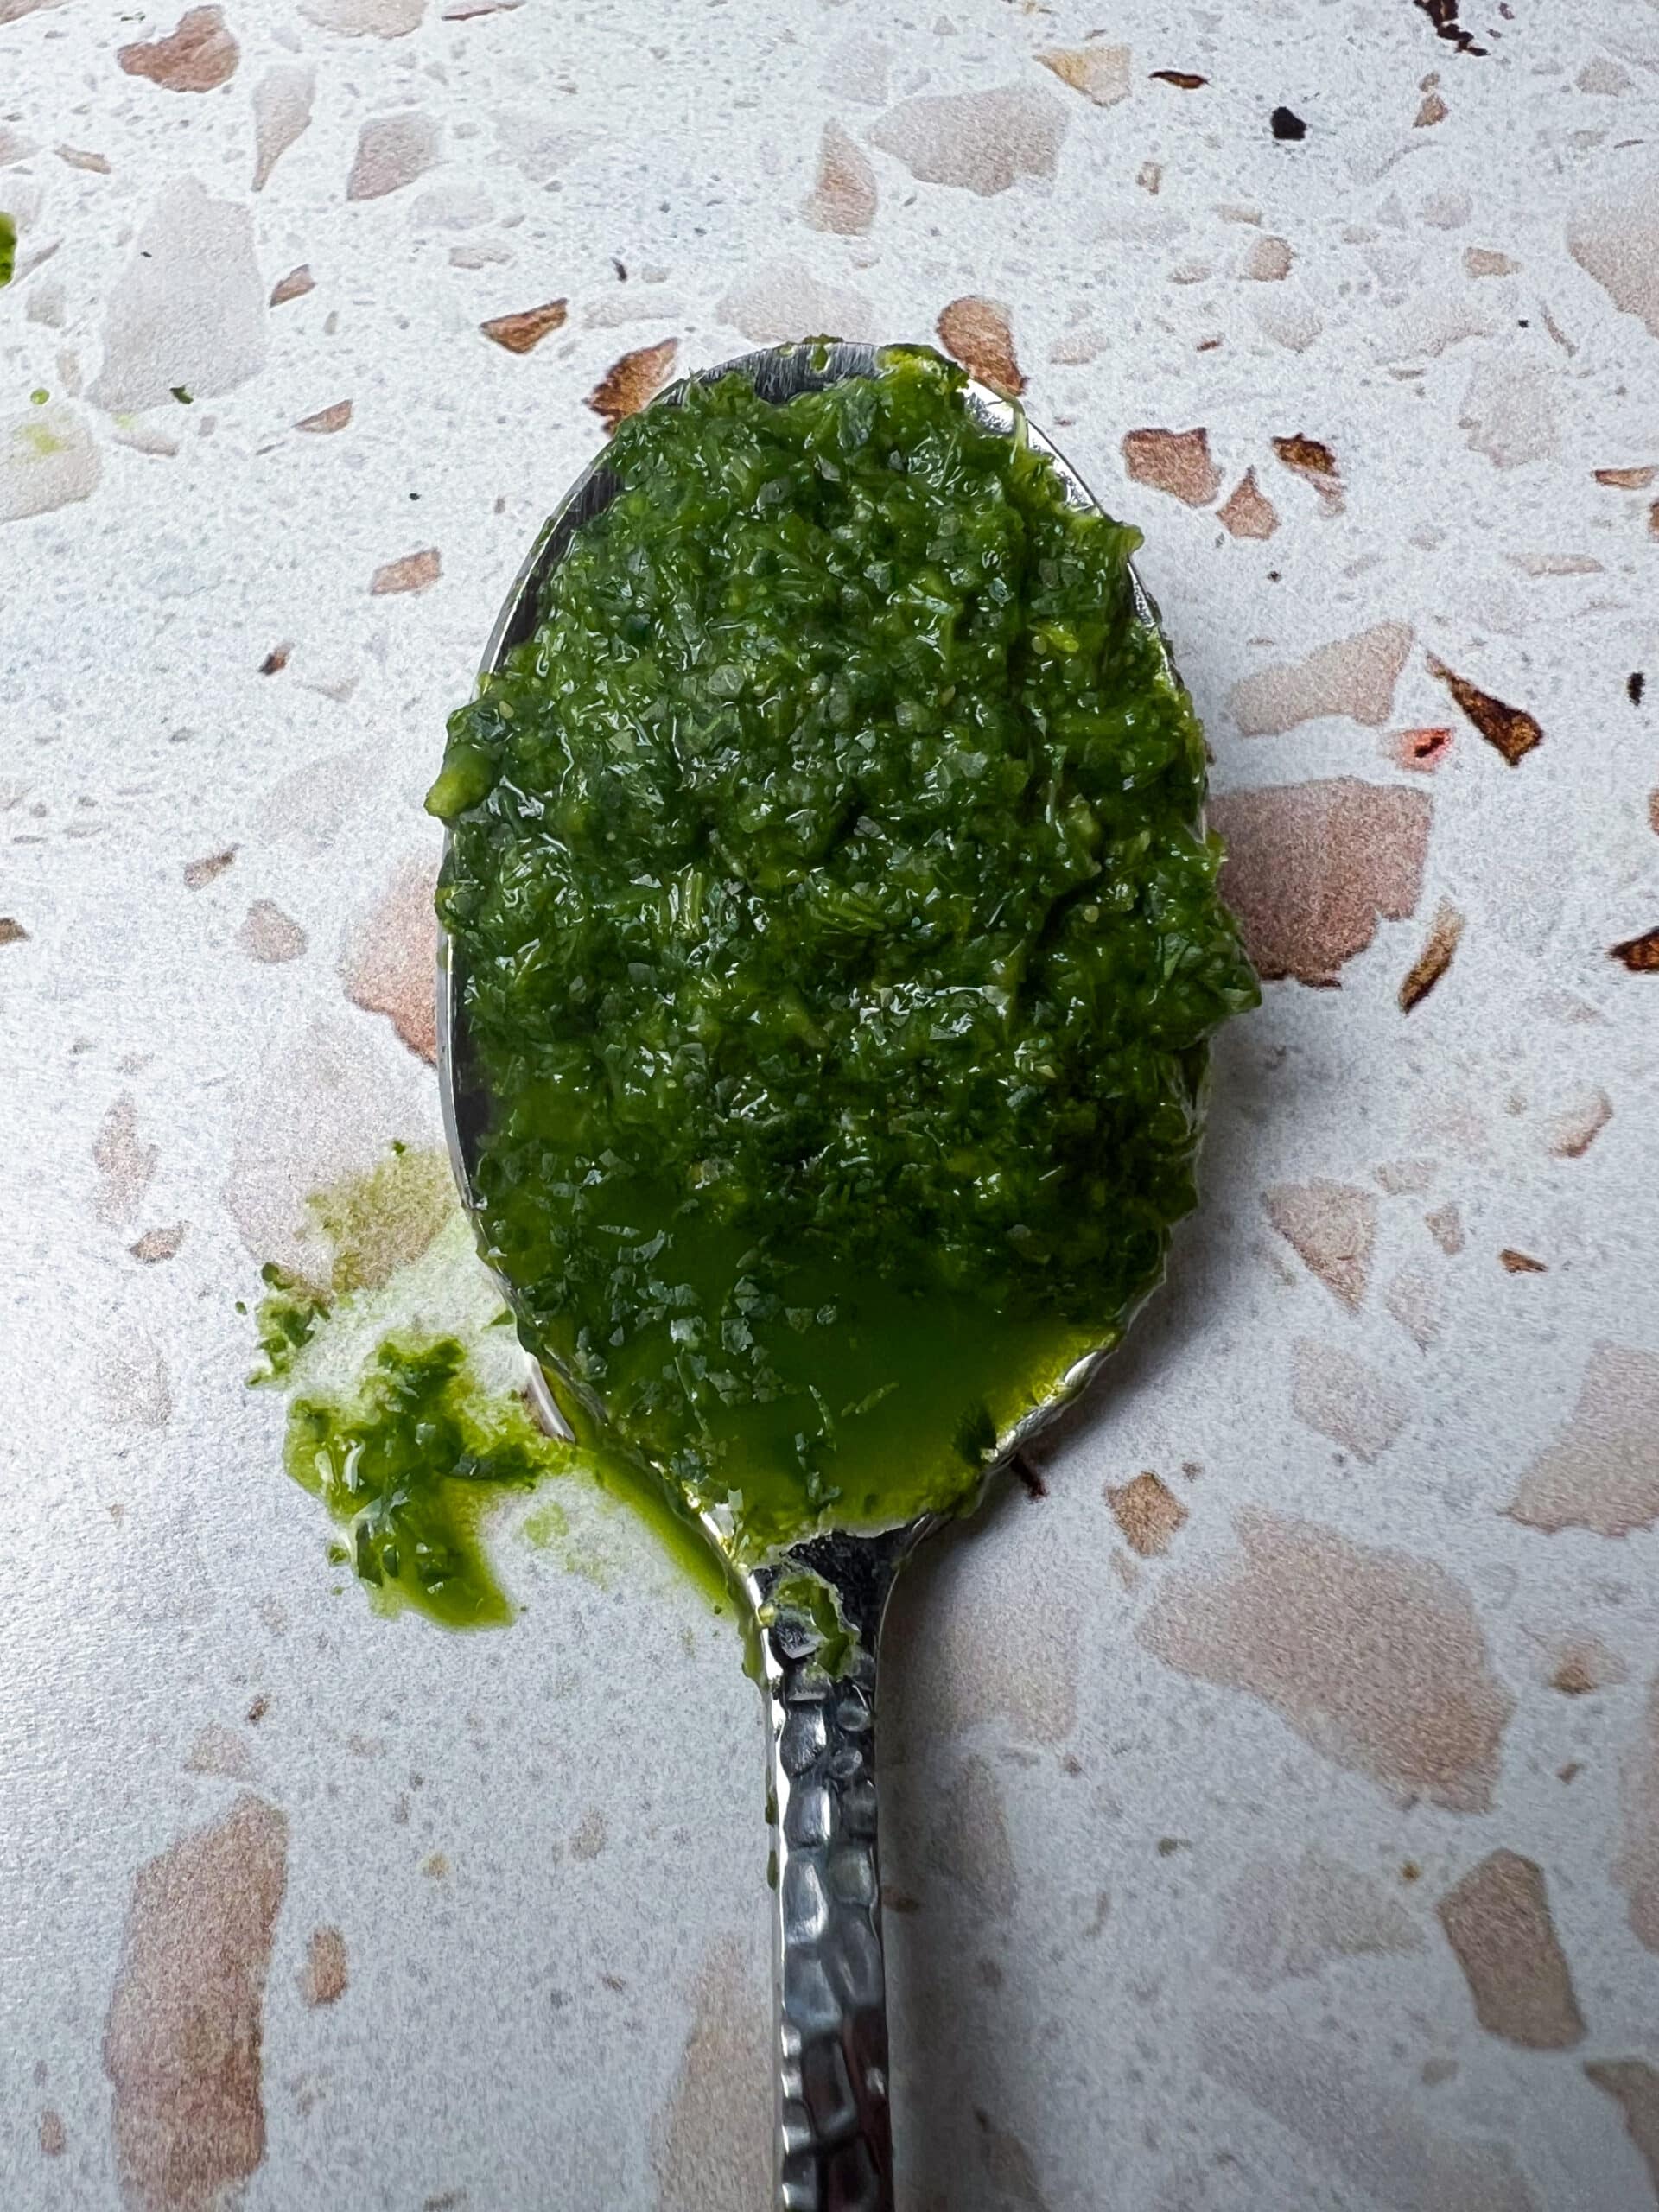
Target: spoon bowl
(819, 1602)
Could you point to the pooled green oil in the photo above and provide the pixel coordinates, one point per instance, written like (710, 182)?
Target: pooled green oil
(839, 946)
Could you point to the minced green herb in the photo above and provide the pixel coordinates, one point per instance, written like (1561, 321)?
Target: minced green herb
(407, 1466)
(839, 943)
(286, 1319)
(8, 246)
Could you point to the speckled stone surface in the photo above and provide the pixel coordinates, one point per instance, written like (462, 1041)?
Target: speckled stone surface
(1273, 1807)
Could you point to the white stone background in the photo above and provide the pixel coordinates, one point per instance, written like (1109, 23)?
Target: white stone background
(1170, 1831)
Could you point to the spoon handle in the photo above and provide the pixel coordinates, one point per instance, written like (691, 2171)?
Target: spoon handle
(835, 2134)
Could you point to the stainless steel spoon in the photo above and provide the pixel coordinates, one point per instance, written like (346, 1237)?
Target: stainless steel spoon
(834, 2144)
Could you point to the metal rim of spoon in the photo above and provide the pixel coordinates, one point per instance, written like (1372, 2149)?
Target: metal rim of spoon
(833, 2138)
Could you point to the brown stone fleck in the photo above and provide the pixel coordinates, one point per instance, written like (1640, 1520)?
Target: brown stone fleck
(1636, 1869)
(977, 332)
(1413, 1298)
(1375, 1658)
(269, 936)
(843, 196)
(324, 1977)
(53, 2137)
(1183, 79)
(1627, 480)
(970, 1841)
(327, 419)
(158, 1243)
(1100, 72)
(1311, 868)
(197, 874)
(1247, 511)
(281, 114)
(1653, 520)
(1497, 1922)
(1443, 14)
(12, 931)
(1483, 261)
(522, 333)
(1405, 1177)
(414, 572)
(219, 1751)
(589, 1839)
(1435, 959)
(1431, 110)
(125, 1166)
(1520, 1263)
(1639, 954)
(199, 55)
(1634, 2085)
(1176, 462)
(1340, 1396)
(1571, 1130)
(1510, 729)
(1283, 1923)
(1354, 676)
(181, 2044)
(390, 962)
(1370, 2137)
(1582, 1665)
(1331, 1228)
(1147, 1512)
(275, 660)
(712, 2142)
(1421, 749)
(393, 150)
(1602, 1471)
(963, 1660)
(1268, 260)
(1316, 464)
(628, 385)
(258, 1709)
(435, 1867)
(297, 283)
(1445, 1225)
(981, 142)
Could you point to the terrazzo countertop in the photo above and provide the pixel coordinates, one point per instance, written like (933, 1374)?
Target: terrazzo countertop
(1272, 1805)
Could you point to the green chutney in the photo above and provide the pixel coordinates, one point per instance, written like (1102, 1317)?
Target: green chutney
(840, 944)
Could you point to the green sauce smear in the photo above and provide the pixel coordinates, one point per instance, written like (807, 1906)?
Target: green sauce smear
(407, 1467)
(841, 947)
(405, 1407)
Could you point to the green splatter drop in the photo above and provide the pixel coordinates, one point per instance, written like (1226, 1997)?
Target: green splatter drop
(362, 1333)
(408, 1468)
(287, 1321)
(376, 1222)
(39, 442)
(7, 247)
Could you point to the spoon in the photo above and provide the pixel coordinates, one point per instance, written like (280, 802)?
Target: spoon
(819, 1603)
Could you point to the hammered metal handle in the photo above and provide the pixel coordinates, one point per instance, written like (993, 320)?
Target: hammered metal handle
(835, 2134)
